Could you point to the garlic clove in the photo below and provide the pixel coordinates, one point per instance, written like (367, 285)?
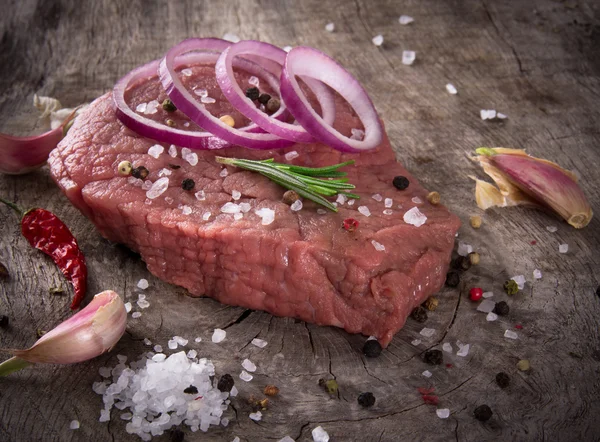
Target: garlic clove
(523, 179)
(91, 332)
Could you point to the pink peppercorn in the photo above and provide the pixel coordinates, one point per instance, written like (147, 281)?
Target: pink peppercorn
(475, 294)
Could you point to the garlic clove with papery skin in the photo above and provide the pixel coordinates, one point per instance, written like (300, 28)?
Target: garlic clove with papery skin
(92, 331)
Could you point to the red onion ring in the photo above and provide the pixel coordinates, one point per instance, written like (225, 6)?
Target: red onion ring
(304, 61)
(197, 112)
(236, 96)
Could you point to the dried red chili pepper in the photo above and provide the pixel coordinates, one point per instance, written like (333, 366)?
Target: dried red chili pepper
(350, 224)
(46, 232)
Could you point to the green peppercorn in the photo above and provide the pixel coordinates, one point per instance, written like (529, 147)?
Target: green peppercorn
(452, 279)
(372, 348)
(502, 379)
(523, 365)
(273, 105)
(400, 182)
(140, 172)
(191, 390)
(511, 287)
(264, 99)
(168, 105)
(419, 314)
(366, 399)
(433, 357)
(226, 383)
(501, 308)
(331, 386)
(253, 93)
(188, 184)
(483, 413)
(3, 321)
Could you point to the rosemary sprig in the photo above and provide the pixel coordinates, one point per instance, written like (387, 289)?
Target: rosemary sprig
(309, 182)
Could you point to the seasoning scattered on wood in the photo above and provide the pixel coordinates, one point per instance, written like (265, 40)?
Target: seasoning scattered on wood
(400, 182)
(475, 221)
(168, 105)
(140, 172)
(55, 291)
(253, 93)
(431, 303)
(191, 390)
(475, 294)
(271, 390)
(372, 348)
(483, 413)
(264, 99)
(523, 365)
(502, 379)
(330, 386)
(188, 184)
(366, 399)
(3, 271)
(3, 321)
(125, 168)
(433, 357)
(501, 308)
(290, 197)
(452, 279)
(474, 258)
(226, 383)
(434, 198)
(428, 396)
(419, 314)
(350, 224)
(46, 232)
(511, 287)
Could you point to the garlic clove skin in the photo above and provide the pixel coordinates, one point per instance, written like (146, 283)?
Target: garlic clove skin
(526, 179)
(89, 333)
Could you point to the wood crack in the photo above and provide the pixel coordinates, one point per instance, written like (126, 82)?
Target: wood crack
(239, 319)
(506, 42)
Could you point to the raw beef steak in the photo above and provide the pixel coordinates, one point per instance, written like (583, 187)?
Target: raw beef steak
(303, 264)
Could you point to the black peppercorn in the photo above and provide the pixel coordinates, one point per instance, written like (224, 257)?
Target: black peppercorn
(177, 435)
(372, 348)
(462, 263)
(400, 182)
(3, 321)
(191, 390)
(168, 105)
(366, 399)
(419, 314)
(502, 379)
(253, 93)
(225, 383)
(264, 99)
(501, 308)
(188, 184)
(433, 357)
(140, 172)
(483, 413)
(452, 279)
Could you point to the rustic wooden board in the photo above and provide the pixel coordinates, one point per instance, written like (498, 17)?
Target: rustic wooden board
(538, 62)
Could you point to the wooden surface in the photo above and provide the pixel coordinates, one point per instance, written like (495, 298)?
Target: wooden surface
(536, 61)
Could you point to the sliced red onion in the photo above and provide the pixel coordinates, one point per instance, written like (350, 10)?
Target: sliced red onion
(197, 111)
(304, 61)
(236, 96)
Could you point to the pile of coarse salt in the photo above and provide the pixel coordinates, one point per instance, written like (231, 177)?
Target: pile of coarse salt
(153, 390)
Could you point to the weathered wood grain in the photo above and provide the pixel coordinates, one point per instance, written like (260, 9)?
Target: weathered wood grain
(538, 62)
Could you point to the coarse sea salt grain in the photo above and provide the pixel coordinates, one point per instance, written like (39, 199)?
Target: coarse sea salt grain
(141, 108)
(142, 284)
(408, 57)
(487, 114)
(158, 188)
(206, 216)
(128, 307)
(388, 202)
(245, 376)
(296, 206)
(192, 354)
(147, 341)
(341, 199)
(416, 200)
(563, 248)
(230, 207)
(427, 374)
(377, 197)
(447, 347)
(218, 335)
(464, 249)
(224, 172)
(198, 339)
(208, 100)
(378, 246)
(551, 229)
(156, 150)
(74, 425)
(152, 107)
(260, 343)
(172, 151)
(136, 315)
(415, 217)
(427, 332)
(388, 212)
(254, 81)
(464, 350)
(415, 342)
(330, 27)
(443, 413)
(255, 416)
(158, 348)
(164, 172)
(147, 185)
(159, 357)
(286, 439)
(238, 216)
(267, 215)
(510, 334)
(451, 89)
(520, 280)
(187, 72)
(351, 202)
(172, 344)
(291, 155)
(321, 211)
(320, 435)
(357, 134)
(377, 40)
(203, 93)
(488, 294)
(236, 195)
(501, 116)
(537, 274)
(287, 48)
(249, 365)
(405, 19)
(186, 210)
(486, 306)
(364, 210)
(491, 317)
(245, 207)
(142, 303)
(200, 195)
(231, 37)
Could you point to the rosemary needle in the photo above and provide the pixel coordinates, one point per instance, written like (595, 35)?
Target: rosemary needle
(309, 182)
